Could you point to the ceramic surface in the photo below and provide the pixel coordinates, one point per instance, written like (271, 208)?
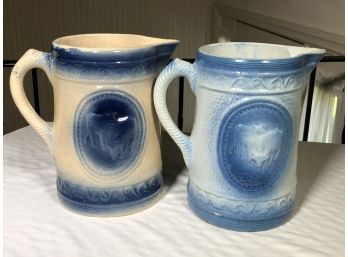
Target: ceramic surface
(254, 145)
(109, 132)
(36, 223)
(242, 152)
(104, 137)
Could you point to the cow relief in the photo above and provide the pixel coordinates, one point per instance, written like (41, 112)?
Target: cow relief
(257, 144)
(109, 133)
(254, 145)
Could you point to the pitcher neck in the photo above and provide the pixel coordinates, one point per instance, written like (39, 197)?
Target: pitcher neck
(110, 57)
(242, 57)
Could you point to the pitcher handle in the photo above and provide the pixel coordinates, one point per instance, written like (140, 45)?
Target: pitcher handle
(176, 68)
(31, 59)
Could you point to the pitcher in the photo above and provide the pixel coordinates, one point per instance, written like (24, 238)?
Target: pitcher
(104, 138)
(242, 152)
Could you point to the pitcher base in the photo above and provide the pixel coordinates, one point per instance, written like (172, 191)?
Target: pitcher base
(107, 202)
(250, 218)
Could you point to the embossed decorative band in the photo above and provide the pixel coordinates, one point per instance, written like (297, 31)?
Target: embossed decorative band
(248, 83)
(240, 215)
(255, 64)
(103, 200)
(133, 64)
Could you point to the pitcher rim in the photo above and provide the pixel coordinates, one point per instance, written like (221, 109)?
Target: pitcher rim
(308, 58)
(152, 42)
(310, 51)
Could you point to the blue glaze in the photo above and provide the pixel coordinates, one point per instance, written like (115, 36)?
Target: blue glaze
(96, 200)
(240, 216)
(109, 132)
(254, 145)
(241, 154)
(128, 63)
(253, 65)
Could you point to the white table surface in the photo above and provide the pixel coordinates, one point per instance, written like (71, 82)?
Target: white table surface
(35, 224)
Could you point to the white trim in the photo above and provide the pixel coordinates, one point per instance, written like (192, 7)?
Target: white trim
(333, 43)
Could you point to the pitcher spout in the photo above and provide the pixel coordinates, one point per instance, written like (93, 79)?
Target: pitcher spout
(164, 49)
(311, 56)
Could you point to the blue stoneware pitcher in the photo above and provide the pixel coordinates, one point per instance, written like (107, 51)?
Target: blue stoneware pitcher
(242, 152)
(104, 137)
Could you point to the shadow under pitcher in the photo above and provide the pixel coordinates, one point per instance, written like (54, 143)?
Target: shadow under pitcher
(104, 138)
(242, 152)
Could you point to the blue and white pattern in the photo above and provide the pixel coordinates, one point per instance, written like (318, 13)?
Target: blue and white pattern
(109, 133)
(128, 65)
(257, 58)
(240, 215)
(241, 154)
(94, 200)
(254, 145)
(281, 82)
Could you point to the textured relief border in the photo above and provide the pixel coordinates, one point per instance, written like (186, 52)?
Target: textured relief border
(241, 210)
(116, 198)
(74, 64)
(248, 83)
(111, 66)
(102, 72)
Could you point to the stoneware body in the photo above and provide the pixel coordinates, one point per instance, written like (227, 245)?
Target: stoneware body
(104, 138)
(242, 152)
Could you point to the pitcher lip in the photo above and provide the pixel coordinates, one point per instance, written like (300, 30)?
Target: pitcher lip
(292, 57)
(305, 50)
(110, 57)
(136, 44)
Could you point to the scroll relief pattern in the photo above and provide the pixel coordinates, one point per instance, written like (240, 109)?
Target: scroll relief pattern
(263, 82)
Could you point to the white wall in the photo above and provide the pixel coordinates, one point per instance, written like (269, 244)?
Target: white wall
(327, 15)
(35, 23)
(317, 23)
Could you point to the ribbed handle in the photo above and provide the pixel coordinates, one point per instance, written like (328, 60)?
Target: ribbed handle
(31, 59)
(175, 69)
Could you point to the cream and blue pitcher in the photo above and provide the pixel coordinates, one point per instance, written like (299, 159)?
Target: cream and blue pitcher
(242, 152)
(104, 138)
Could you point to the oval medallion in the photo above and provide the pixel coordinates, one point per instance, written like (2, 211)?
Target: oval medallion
(254, 145)
(109, 133)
